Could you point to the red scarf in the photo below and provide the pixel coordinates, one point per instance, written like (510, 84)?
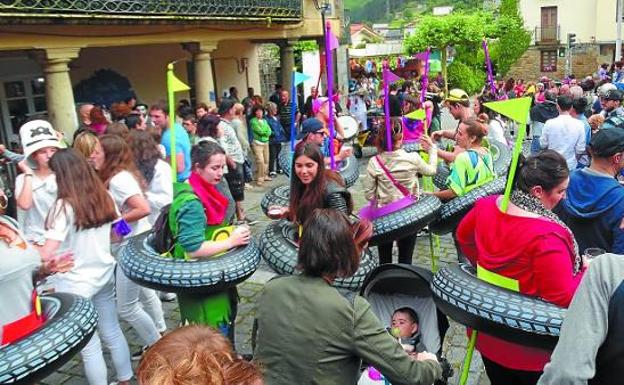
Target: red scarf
(215, 204)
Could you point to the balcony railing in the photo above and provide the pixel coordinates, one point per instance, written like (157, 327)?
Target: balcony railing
(547, 35)
(278, 11)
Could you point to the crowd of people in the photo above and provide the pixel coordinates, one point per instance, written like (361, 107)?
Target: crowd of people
(79, 204)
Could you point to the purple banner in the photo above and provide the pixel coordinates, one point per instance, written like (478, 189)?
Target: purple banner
(330, 42)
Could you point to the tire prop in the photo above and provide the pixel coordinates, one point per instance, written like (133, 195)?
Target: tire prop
(142, 264)
(279, 249)
(517, 110)
(71, 320)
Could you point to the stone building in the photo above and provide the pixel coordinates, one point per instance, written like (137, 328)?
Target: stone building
(593, 23)
(50, 46)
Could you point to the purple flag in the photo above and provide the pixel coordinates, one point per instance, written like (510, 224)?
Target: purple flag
(488, 63)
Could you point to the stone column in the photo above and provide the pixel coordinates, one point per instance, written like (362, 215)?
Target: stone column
(59, 92)
(204, 82)
(287, 63)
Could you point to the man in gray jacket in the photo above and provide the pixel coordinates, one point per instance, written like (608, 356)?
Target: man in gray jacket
(591, 345)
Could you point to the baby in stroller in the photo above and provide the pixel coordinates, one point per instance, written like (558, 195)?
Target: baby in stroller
(401, 295)
(404, 327)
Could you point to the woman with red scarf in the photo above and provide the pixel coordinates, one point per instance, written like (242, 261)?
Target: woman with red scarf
(199, 215)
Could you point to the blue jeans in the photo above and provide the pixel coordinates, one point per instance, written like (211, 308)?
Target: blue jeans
(535, 145)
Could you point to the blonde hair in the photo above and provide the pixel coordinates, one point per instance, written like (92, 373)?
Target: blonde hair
(192, 355)
(239, 109)
(85, 143)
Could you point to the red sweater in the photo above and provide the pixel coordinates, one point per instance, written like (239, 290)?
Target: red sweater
(537, 252)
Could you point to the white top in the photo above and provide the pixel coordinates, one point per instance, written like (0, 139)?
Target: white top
(160, 190)
(565, 135)
(123, 186)
(16, 285)
(93, 263)
(43, 194)
(496, 131)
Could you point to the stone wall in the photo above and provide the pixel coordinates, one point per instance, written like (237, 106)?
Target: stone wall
(585, 61)
(269, 61)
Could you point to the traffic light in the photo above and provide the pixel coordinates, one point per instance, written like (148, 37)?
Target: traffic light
(571, 40)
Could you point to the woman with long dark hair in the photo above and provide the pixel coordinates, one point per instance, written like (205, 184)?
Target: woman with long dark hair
(530, 249)
(80, 221)
(114, 162)
(312, 187)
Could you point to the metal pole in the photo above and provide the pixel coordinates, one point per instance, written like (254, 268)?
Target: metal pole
(618, 38)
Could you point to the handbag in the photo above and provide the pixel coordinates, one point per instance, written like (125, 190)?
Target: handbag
(372, 211)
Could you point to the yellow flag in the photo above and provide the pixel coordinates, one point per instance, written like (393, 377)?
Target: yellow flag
(174, 84)
(416, 115)
(516, 109)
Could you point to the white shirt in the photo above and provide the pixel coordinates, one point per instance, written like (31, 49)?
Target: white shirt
(160, 190)
(44, 193)
(565, 135)
(93, 263)
(123, 186)
(496, 131)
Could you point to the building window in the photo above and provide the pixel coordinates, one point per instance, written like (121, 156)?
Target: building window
(549, 61)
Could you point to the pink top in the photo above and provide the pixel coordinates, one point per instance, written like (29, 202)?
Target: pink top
(537, 252)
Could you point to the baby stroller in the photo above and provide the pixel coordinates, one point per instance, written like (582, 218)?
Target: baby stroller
(392, 286)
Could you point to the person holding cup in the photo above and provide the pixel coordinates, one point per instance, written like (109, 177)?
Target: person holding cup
(311, 187)
(531, 251)
(201, 211)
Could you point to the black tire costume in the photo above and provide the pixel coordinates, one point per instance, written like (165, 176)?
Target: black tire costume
(71, 320)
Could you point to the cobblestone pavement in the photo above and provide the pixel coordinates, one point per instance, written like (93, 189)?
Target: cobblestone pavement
(454, 345)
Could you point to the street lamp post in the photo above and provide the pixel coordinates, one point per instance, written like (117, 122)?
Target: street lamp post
(323, 6)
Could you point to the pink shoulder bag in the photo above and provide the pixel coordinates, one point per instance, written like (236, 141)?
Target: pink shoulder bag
(372, 211)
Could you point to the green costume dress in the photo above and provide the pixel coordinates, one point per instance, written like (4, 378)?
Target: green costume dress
(188, 220)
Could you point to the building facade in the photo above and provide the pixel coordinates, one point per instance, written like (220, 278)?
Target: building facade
(593, 22)
(49, 48)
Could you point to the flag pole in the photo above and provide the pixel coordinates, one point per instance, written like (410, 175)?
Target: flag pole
(172, 137)
(386, 79)
(330, 94)
(293, 109)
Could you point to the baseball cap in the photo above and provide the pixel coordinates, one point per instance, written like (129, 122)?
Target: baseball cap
(614, 94)
(318, 103)
(607, 142)
(603, 89)
(457, 95)
(309, 126)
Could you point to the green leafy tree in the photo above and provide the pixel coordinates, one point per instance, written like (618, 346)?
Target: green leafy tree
(456, 29)
(507, 41)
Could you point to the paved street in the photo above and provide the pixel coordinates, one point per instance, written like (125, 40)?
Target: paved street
(454, 344)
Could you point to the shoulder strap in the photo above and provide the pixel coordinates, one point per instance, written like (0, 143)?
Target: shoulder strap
(179, 200)
(396, 184)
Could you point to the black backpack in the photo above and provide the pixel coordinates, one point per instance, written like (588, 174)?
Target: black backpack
(163, 237)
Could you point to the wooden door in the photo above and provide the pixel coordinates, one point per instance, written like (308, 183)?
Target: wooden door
(549, 24)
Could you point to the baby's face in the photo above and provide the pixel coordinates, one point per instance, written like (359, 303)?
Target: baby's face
(404, 323)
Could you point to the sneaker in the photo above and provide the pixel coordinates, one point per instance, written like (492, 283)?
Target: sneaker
(272, 174)
(249, 186)
(280, 171)
(167, 297)
(136, 356)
